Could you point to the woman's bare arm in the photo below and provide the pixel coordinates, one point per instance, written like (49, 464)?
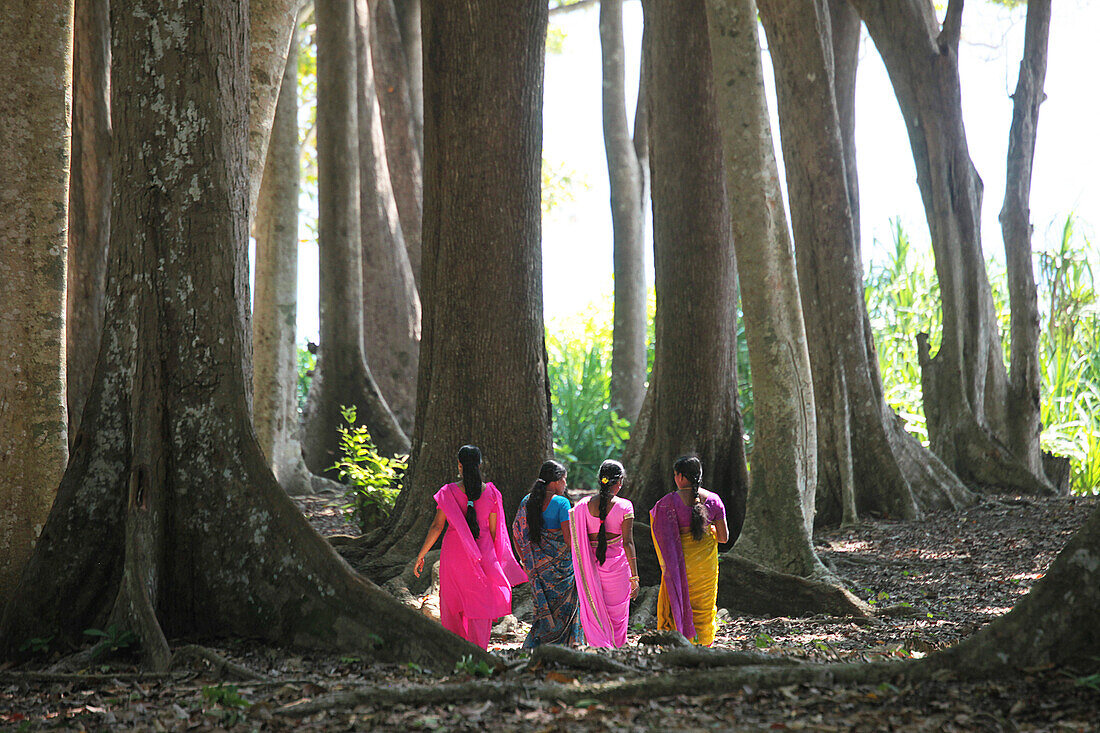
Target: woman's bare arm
(434, 531)
(631, 555)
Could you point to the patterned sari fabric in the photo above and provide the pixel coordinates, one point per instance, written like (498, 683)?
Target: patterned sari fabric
(549, 565)
(603, 589)
(475, 575)
(689, 568)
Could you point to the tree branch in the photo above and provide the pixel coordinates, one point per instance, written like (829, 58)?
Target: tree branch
(952, 26)
(567, 7)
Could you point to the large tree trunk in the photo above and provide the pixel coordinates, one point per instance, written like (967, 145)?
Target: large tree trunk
(779, 516)
(859, 469)
(35, 63)
(89, 201)
(343, 378)
(628, 353)
(399, 125)
(964, 386)
(1023, 424)
(275, 305)
(168, 523)
(391, 305)
(693, 405)
(482, 357)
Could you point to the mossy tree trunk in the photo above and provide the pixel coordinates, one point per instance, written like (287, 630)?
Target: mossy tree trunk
(168, 522)
(36, 65)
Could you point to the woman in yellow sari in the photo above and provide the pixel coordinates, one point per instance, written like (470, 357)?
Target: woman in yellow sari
(687, 525)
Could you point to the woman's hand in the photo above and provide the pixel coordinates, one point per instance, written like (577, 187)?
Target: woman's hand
(634, 587)
(419, 566)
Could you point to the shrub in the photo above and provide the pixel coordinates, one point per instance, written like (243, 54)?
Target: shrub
(373, 480)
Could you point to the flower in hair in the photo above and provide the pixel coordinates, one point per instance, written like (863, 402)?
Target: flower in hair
(605, 480)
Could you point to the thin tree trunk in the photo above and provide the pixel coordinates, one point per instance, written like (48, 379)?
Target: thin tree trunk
(168, 523)
(779, 516)
(482, 357)
(275, 305)
(628, 353)
(964, 386)
(408, 16)
(36, 65)
(391, 305)
(856, 454)
(89, 201)
(1023, 424)
(271, 24)
(391, 71)
(693, 390)
(344, 378)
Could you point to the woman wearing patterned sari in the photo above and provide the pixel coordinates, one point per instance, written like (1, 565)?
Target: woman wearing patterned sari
(687, 525)
(541, 531)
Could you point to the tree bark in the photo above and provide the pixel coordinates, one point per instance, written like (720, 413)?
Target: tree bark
(1023, 415)
(168, 523)
(89, 201)
(271, 24)
(408, 16)
(858, 465)
(343, 378)
(779, 515)
(391, 305)
(275, 304)
(964, 385)
(35, 63)
(482, 356)
(628, 349)
(399, 125)
(693, 389)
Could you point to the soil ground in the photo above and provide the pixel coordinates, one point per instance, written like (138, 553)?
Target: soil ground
(953, 571)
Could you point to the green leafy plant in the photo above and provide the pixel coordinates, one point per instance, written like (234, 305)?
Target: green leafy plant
(36, 645)
(111, 640)
(307, 362)
(373, 480)
(763, 641)
(475, 668)
(231, 706)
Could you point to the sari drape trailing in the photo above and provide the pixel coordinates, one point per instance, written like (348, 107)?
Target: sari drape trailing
(603, 589)
(475, 575)
(689, 575)
(549, 565)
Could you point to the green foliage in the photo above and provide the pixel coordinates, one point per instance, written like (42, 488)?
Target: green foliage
(111, 640)
(763, 641)
(586, 429)
(559, 184)
(307, 362)
(467, 665)
(225, 695)
(37, 645)
(373, 480)
(903, 299)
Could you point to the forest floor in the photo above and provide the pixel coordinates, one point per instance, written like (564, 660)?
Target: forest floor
(956, 571)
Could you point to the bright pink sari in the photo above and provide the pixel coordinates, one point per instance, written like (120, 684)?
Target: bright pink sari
(603, 589)
(475, 575)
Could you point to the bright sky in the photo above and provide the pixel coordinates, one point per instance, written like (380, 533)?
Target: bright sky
(577, 240)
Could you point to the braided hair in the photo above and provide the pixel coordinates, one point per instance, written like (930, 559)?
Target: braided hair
(550, 472)
(470, 458)
(691, 468)
(611, 473)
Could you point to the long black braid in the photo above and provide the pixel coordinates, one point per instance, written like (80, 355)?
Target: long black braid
(611, 473)
(470, 458)
(550, 472)
(691, 468)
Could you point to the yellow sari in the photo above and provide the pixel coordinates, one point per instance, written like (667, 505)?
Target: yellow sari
(701, 564)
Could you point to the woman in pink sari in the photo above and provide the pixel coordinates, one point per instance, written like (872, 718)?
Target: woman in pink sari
(601, 530)
(477, 567)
